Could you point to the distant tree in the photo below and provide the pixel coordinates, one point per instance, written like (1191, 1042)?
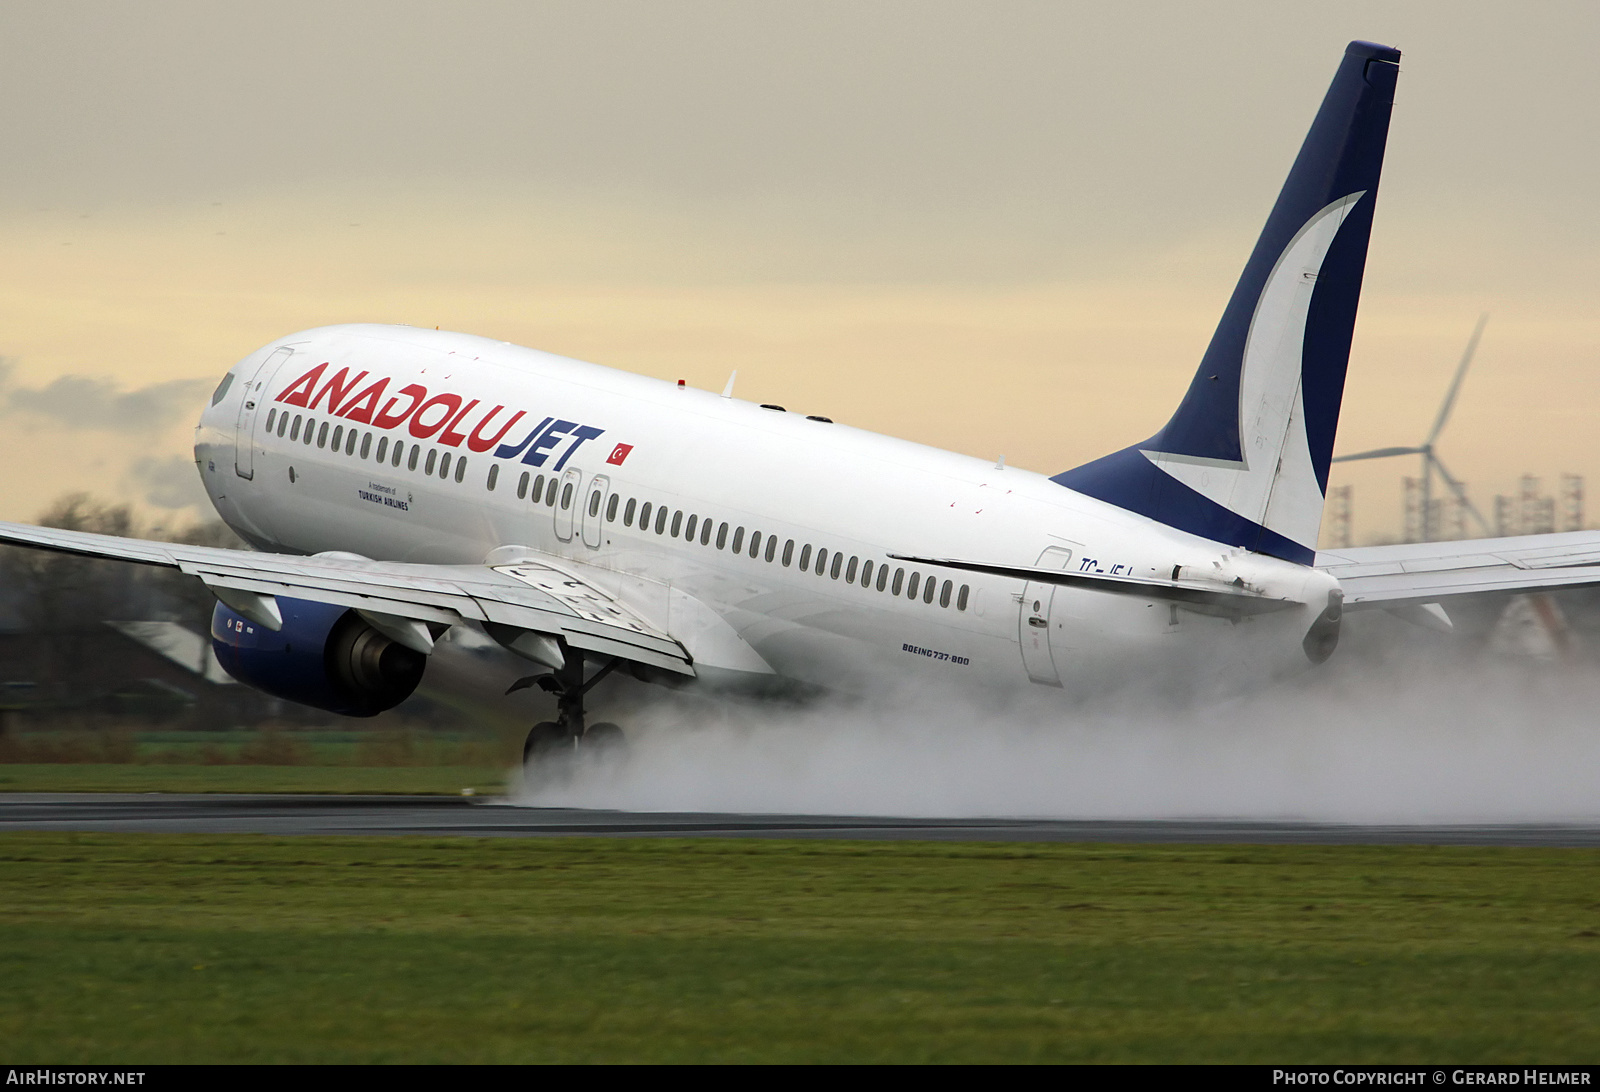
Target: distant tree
(60, 598)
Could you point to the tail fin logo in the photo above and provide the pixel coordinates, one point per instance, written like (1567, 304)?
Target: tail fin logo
(1274, 483)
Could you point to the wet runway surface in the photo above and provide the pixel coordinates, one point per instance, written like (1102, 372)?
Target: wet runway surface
(454, 816)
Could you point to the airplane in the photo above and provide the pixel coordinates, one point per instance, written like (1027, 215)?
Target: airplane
(399, 482)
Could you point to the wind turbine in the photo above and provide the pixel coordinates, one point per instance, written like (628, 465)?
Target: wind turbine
(1431, 463)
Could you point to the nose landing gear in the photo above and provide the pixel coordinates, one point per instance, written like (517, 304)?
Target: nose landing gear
(552, 746)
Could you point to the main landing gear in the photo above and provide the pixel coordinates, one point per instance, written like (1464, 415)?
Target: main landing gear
(553, 746)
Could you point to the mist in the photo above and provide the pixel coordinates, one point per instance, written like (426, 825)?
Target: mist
(1397, 730)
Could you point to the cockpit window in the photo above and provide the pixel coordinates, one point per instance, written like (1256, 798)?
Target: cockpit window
(222, 389)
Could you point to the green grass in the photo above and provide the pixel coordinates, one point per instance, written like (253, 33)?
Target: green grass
(163, 948)
(117, 777)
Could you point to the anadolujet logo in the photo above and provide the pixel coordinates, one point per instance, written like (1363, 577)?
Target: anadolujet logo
(445, 418)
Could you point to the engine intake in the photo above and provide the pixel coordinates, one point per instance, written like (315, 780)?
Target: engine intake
(325, 656)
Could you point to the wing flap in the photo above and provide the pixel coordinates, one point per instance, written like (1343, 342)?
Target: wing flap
(332, 592)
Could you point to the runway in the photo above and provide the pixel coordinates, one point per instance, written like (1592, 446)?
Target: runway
(480, 818)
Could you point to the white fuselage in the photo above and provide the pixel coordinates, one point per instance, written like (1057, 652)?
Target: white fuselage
(613, 442)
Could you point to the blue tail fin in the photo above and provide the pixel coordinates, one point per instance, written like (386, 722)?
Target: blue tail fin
(1244, 460)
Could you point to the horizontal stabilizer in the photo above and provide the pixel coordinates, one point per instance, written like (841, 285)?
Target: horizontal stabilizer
(1422, 572)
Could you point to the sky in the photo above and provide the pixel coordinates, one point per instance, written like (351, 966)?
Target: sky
(999, 228)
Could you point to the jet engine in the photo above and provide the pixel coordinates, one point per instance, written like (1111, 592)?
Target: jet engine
(324, 656)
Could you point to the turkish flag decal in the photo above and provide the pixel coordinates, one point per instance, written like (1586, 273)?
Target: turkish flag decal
(619, 453)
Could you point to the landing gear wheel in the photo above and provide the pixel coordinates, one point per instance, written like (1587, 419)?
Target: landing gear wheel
(552, 748)
(603, 741)
(547, 755)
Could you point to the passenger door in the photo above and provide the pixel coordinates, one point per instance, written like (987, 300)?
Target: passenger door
(594, 510)
(567, 500)
(1033, 620)
(244, 445)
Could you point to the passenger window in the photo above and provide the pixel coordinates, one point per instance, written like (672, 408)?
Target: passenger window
(416, 452)
(883, 576)
(961, 600)
(294, 431)
(805, 557)
(772, 545)
(822, 560)
(722, 536)
(944, 593)
(272, 415)
(738, 540)
(433, 460)
(627, 513)
(522, 485)
(494, 476)
(366, 445)
(899, 579)
(866, 574)
(566, 497)
(611, 508)
(594, 504)
(688, 531)
(929, 589)
(461, 469)
(850, 571)
(444, 465)
(644, 516)
(350, 443)
(677, 522)
(755, 543)
(911, 589)
(550, 493)
(838, 560)
(705, 533)
(338, 436)
(399, 450)
(283, 424)
(788, 553)
(322, 435)
(661, 519)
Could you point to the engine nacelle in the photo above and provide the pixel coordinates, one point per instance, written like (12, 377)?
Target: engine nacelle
(325, 656)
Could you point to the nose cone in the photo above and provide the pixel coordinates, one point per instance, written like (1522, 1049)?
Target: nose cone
(212, 433)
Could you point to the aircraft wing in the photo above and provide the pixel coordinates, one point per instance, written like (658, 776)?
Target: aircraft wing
(531, 592)
(1418, 572)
